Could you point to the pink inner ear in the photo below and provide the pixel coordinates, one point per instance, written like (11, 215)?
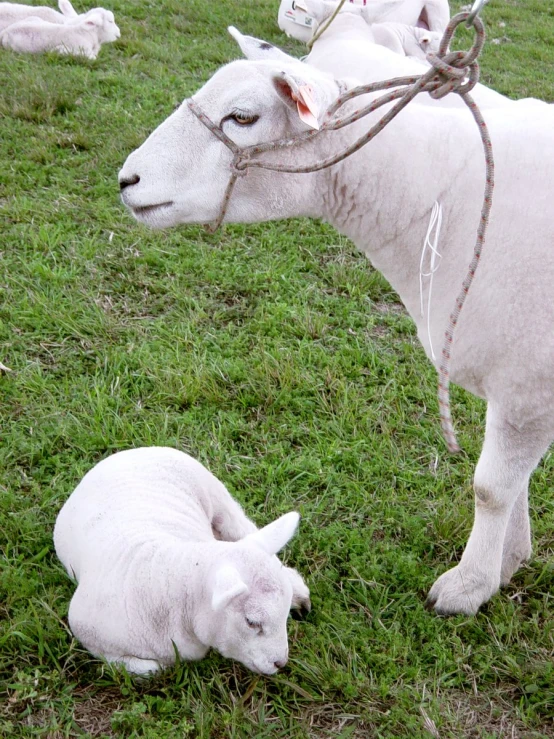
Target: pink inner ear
(308, 109)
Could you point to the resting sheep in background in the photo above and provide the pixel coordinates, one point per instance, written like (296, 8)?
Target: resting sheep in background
(406, 40)
(296, 19)
(81, 35)
(382, 198)
(166, 560)
(13, 12)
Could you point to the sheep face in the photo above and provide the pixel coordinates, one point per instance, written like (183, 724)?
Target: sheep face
(429, 41)
(250, 605)
(180, 173)
(104, 20)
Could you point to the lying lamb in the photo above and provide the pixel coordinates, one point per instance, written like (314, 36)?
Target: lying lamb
(406, 40)
(166, 560)
(82, 35)
(11, 13)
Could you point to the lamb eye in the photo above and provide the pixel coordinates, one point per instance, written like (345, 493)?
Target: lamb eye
(243, 119)
(254, 625)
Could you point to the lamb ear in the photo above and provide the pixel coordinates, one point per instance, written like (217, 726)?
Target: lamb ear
(94, 20)
(228, 585)
(257, 49)
(67, 9)
(300, 94)
(275, 535)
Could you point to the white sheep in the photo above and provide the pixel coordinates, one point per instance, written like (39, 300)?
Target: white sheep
(382, 198)
(166, 560)
(297, 19)
(407, 40)
(82, 35)
(13, 12)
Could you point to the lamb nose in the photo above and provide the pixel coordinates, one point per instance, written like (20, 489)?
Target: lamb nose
(126, 181)
(280, 663)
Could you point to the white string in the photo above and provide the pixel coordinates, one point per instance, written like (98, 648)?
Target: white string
(435, 222)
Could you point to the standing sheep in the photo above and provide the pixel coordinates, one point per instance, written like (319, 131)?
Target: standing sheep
(382, 198)
(166, 560)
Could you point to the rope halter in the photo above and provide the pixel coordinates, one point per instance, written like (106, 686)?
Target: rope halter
(451, 72)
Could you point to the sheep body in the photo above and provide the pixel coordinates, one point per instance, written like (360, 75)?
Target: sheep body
(11, 13)
(158, 547)
(382, 198)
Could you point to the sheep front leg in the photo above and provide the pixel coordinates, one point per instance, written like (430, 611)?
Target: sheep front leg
(508, 458)
(517, 542)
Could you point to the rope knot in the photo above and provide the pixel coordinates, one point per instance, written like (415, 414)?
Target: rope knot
(240, 163)
(457, 71)
(452, 74)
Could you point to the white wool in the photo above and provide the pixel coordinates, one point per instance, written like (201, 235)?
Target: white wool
(164, 558)
(405, 39)
(13, 12)
(301, 18)
(382, 198)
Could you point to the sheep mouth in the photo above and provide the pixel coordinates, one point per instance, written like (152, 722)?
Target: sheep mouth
(143, 211)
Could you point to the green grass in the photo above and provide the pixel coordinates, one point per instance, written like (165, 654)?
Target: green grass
(275, 355)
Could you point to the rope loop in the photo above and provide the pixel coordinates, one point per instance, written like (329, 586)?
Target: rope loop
(465, 58)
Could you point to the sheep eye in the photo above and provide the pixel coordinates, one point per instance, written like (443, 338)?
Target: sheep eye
(243, 119)
(254, 625)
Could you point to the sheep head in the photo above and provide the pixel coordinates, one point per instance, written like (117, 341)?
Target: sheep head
(250, 595)
(181, 172)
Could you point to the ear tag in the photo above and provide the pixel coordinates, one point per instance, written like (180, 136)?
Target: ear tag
(308, 109)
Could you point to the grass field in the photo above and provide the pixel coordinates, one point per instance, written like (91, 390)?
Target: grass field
(279, 358)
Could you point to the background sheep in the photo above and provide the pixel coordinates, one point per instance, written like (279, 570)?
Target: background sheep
(14, 12)
(82, 35)
(165, 558)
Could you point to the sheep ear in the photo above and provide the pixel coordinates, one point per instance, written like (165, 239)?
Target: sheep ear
(298, 93)
(228, 585)
(67, 9)
(256, 49)
(273, 537)
(318, 9)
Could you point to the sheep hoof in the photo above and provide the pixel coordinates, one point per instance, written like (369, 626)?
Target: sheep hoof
(460, 591)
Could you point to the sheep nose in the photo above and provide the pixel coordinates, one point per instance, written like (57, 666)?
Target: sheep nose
(280, 663)
(127, 181)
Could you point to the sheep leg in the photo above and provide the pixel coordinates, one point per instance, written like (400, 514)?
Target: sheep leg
(229, 522)
(508, 458)
(438, 14)
(138, 666)
(517, 542)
